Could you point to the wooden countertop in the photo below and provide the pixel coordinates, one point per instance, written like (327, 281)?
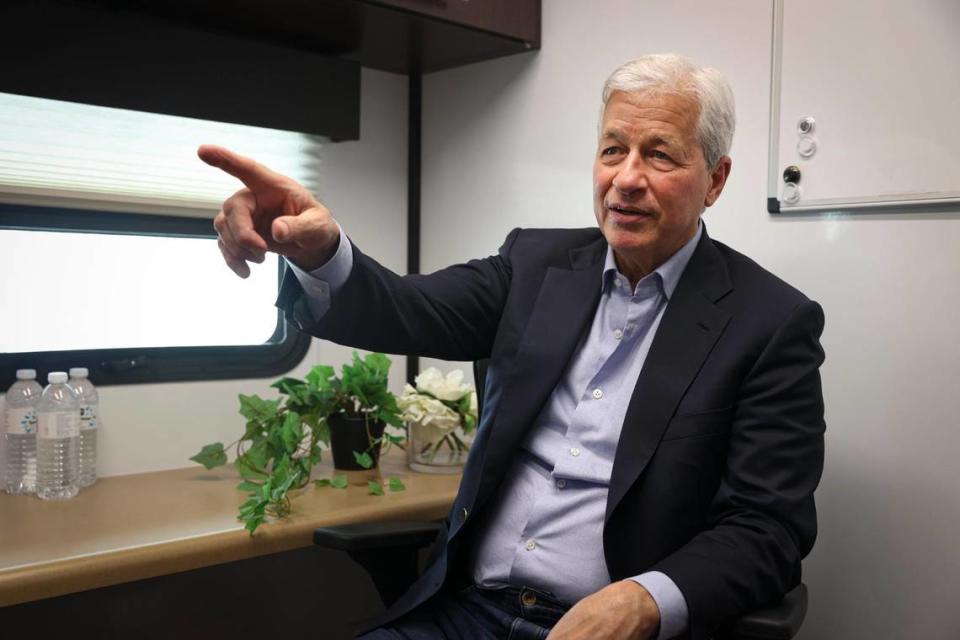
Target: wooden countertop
(127, 528)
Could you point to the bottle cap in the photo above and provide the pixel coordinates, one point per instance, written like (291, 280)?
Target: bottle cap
(57, 377)
(26, 374)
(79, 372)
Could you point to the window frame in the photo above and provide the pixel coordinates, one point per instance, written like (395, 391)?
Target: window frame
(285, 349)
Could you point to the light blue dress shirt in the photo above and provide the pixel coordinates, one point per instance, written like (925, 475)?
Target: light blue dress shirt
(545, 529)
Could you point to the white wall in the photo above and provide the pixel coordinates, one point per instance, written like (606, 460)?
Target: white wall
(159, 426)
(510, 143)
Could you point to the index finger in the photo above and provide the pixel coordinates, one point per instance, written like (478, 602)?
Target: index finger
(250, 172)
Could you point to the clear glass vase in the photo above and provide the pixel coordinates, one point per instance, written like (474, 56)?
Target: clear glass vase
(432, 450)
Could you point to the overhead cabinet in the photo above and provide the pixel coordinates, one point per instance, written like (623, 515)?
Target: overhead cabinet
(286, 64)
(394, 35)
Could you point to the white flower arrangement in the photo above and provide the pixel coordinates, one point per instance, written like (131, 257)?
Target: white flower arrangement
(435, 408)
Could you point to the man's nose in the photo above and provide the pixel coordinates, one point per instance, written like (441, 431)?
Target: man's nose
(632, 176)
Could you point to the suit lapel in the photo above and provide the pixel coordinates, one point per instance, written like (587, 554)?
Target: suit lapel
(564, 308)
(690, 327)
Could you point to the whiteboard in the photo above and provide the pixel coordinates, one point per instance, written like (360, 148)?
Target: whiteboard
(879, 86)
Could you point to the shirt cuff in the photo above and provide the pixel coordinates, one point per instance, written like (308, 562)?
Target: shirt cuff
(670, 601)
(321, 284)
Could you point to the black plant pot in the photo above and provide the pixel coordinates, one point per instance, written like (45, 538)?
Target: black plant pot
(353, 434)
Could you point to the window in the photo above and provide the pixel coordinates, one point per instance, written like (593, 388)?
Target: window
(142, 296)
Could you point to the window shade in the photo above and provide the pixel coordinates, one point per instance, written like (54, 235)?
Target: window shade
(64, 154)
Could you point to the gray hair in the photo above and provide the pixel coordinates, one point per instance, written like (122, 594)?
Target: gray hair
(670, 73)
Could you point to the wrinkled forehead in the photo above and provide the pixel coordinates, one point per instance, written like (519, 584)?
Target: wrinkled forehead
(667, 110)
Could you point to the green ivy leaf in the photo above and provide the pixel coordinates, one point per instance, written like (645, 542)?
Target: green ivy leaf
(258, 455)
(256, 408)
(319, 377)
(339, 482)
(400, 441)
(376, 489)
(377, 361)
(252, 464)
(252, 523)
(323, 432)
(253, 431)
(211, 456)
(254, 506)
(266, 490)
(292, 431)
(249, 487)
(390, 417)
(322, 482)
(396, 484)
(364, 459)
(293, 387)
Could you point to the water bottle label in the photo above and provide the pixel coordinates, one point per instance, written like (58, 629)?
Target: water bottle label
(60, 424)
(21, 420)
(88, 417)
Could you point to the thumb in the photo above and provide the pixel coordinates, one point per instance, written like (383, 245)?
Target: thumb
(311, 229)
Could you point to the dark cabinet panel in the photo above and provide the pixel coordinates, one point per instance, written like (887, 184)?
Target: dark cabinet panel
(392, 35)
(306, 593)
(518, 19)
(93, 54)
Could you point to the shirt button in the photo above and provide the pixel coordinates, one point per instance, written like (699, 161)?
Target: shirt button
(531, 545)
(463, 514)
(561, 483)
(617, 333)
(597, 394)
(574, 451)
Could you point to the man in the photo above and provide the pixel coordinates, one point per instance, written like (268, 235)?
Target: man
(652, 431)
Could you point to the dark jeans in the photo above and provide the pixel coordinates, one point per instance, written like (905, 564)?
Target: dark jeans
(472, 613)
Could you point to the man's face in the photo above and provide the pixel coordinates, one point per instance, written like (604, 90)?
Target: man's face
(650, 181)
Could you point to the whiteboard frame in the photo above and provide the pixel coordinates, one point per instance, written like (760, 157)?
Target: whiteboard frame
(926, 200)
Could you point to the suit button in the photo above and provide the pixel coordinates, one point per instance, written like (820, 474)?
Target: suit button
(528, 598)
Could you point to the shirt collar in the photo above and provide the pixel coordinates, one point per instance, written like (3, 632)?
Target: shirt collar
(668, 273)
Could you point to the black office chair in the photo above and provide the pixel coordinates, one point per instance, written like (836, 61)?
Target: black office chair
(390, 552)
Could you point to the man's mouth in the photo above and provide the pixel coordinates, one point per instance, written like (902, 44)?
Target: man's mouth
(627, 210)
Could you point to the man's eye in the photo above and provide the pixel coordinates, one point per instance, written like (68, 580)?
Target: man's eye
(609, 151)
(660, 155)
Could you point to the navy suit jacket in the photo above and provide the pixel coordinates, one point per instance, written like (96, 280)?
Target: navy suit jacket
(722, 443)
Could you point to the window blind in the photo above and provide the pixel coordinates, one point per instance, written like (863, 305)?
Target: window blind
(63, 154)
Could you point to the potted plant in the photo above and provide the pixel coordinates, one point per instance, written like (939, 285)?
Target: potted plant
(358, 408)
(440, 413)
(282, 440)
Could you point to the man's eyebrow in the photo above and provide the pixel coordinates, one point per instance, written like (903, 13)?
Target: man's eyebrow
(656, 140)
(615, 133)
(667, 141)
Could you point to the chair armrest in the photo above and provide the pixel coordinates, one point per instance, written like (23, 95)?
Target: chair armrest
(369, 536)
(778, 622)
(387, 551)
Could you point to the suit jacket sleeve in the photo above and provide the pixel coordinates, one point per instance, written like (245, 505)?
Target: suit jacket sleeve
(451, 314)
(762, 520)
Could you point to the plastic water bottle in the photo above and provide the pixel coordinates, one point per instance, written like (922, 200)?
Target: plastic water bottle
(89, 421)
(58, 433)
(21, 433)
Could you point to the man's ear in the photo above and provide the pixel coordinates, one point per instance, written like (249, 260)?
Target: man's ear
(718, 178)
